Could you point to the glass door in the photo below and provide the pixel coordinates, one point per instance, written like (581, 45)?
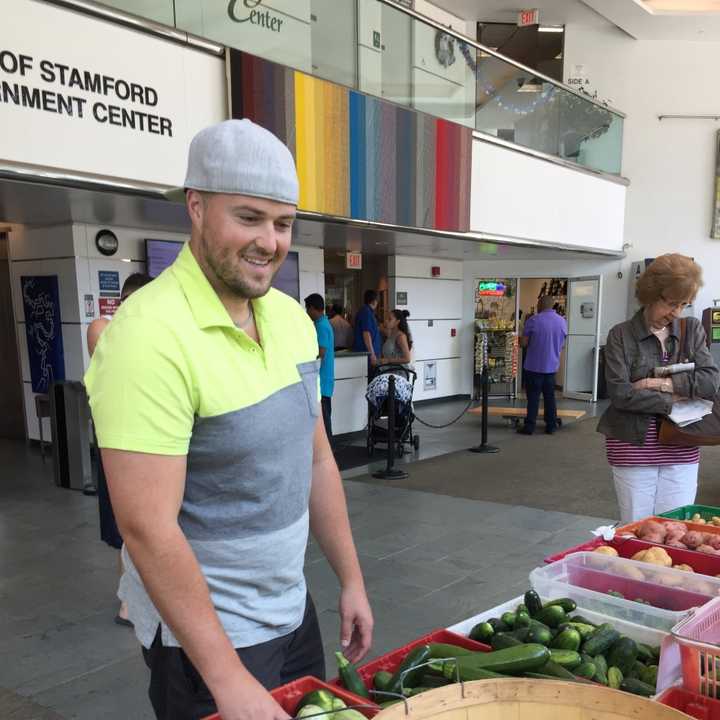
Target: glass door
(583, 341)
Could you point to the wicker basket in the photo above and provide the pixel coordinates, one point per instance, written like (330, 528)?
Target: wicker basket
(519, 699)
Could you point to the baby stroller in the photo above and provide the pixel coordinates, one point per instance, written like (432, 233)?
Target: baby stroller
(377, 397)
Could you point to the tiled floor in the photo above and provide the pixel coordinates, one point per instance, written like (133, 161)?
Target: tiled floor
(429, 561)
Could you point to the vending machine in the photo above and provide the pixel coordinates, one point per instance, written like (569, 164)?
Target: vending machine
(711, 323)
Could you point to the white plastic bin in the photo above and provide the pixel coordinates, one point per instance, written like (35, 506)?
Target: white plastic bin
(589, 577)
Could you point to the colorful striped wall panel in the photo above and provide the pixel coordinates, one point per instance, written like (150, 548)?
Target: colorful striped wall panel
(358, 156)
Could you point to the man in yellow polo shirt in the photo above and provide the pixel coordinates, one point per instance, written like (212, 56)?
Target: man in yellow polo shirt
(204, 392)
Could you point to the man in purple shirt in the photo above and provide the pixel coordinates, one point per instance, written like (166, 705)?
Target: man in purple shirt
(544, 336)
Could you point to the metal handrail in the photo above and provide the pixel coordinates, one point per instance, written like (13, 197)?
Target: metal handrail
(469, 41)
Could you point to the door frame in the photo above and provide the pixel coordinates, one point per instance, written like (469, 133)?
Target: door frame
(587, 397)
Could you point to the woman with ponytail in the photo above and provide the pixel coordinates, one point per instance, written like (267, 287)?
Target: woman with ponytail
(396, 348)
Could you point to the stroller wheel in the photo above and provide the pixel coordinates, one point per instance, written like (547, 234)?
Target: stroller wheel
(400, 449)
(416, 442)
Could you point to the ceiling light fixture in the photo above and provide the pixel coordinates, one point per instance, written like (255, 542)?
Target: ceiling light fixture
(551, 28)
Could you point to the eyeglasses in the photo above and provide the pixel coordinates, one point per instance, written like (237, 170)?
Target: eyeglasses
(675, 305)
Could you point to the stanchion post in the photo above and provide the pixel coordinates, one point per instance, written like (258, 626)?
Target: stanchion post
(483, 447)
(390, 473)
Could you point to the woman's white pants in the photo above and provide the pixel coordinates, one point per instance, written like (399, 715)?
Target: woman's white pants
(653, 489)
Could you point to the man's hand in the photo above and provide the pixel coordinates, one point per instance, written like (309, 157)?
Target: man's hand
(356, 623)
(373, 360)
(246, 699)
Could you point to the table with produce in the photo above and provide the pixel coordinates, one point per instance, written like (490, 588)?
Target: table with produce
(632, 614)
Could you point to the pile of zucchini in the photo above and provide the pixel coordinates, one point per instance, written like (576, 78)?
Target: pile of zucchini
(549, 641)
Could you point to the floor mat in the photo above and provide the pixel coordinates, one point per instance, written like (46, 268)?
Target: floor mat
(352, 456)
(566, 471)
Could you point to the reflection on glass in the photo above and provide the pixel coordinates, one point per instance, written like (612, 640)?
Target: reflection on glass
(158, 10)
(382, 51)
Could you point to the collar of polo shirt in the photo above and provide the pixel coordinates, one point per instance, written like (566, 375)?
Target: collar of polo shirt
(206, 306)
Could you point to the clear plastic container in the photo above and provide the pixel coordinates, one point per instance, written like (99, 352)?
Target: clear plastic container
(589, 578)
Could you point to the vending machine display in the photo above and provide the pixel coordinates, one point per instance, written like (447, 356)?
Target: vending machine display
(711, 322)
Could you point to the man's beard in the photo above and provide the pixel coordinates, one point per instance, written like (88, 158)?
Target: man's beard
(225, 268)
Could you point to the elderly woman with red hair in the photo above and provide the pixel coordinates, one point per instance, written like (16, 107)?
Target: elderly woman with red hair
(651, 478)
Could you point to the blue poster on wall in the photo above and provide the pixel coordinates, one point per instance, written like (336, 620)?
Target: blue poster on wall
(43, 328)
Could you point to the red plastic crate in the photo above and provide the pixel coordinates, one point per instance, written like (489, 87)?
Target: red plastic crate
(633, 527)
(697, 706)
(288, 696)
(390, 661)
(583, 547)
(702, 563)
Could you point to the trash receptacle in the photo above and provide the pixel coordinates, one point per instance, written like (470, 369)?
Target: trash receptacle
(70, 419)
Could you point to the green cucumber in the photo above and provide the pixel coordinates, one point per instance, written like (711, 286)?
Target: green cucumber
(539, 634)
(586, 670)
(552, 616)
(585, 630)
(469, 673)
(645, 654)
(533, 603)
(521, 608)
(557, 671)
(601, 669)
(408, 673)
(649, 675)
(636, 670)
(522, 619)
(566, 604)
(623, 654)
(615, 678)
(482, 632)
(381, 679)
(508, 619)
(446, 650)
(521, 633)
(513, 660)
(568, 639)
(569, 659)
(601, 640)
(349, 677)
(501, 641)
(319, 698)
(637, 687)
(498, 625)
(433, 681)
(583, 621)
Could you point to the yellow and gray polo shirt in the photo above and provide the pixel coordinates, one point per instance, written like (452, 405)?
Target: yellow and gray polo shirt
(172, 375)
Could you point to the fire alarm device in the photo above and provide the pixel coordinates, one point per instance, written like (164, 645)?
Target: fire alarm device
(436, 271)
(453, 332)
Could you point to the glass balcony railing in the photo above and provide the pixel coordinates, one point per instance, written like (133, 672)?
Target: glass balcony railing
(379, 48)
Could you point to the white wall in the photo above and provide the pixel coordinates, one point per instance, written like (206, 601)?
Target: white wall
(311, 261)
(671, 163)
(436, 309)
(520, 196)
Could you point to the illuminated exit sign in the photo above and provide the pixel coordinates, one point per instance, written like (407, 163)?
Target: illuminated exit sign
(491, 289)
(353, 261)
(528, 17)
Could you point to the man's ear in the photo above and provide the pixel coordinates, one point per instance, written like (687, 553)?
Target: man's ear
(195, 203)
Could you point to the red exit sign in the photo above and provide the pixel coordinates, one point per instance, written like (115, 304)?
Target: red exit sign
(353, 261)
(528, 17)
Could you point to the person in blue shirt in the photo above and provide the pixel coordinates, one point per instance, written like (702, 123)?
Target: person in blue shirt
(315, 307)
(367, 332)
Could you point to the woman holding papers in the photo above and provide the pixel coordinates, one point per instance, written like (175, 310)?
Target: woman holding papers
(651, 478)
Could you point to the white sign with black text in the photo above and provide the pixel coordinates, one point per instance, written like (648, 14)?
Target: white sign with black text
(84, 95)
